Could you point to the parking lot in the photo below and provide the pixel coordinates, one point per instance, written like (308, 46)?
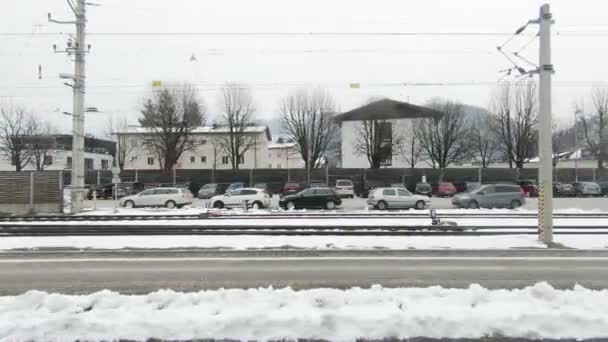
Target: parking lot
(437, 203)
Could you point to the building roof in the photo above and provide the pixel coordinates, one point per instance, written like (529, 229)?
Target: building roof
(281, 145)
(202, 130)
(387, 110)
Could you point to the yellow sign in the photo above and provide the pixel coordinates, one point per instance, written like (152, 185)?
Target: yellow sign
(156, 83)
(355, 85)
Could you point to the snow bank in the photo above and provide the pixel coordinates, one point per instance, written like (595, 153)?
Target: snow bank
(339, 315)
(245, 242)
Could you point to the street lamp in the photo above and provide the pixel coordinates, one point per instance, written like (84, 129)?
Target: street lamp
(576, 149)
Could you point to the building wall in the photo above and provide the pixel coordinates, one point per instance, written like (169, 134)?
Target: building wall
(60, 161)
(138, 155)
(353, 159)
(284, 156)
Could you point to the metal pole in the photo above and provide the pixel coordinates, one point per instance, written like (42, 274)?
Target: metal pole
(98, 177)
(77, 186)
(576, 150)
(136, 175)
(479, 176)
(31, 192)
(174, 175)
(545, 201)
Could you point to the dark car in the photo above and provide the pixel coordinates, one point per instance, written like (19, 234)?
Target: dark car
(291, 188)
(212, 189)
(311, 198)
(529, 187)
(604, 188)
(563, 190)
(107, 191)
(369, 186)
(444, 189)
(318, 184)
(270, 187)
(465, 186)
(423, 189)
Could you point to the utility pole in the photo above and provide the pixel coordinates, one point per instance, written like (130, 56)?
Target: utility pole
(77, 49)
(545, 70)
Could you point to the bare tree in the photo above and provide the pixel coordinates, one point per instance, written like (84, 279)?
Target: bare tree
(445, 140)
(216, 149)
(484, 138)
(41, 144)
(16, 126)
(561, 142)
(306, 116)
(516, 113)
(410, 148)
(594, 125)
(169, 118)
(237, 115)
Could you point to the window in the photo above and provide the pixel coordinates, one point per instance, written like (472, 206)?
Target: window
(225, 160)
(242, 160)
(88, 164)
(278, 165)
(48, 160)
(389, 192)
(403, 193)
(506, 188)
(68, 164)
(193, 159)
(147, 192)
(203, 141)
(150, 161)
(270, 166)
(203, 159)
(235, 193)
(248, 192)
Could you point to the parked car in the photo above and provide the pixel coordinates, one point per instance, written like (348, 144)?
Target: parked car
(370, 185)
(291, 188)
(529, 187)
(270, 187)
(235, 186)
(318, 184)
(563, 190)
(444, 189)
(212, 189)
(256, 198)
(604, 188)
(587, 189)
(396, 198)
(423, 189)
(311, 198)
(398, 185)
(345, 188)
(107, 191)
(158, 197)
(470, 186)
(491, 196)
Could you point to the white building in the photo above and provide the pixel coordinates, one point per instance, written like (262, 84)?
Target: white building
(207, 154)
(284, 156)
(395, 118)
(98, 154)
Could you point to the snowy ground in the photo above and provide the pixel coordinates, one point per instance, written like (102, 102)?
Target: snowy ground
(301, 242)
(338, 315)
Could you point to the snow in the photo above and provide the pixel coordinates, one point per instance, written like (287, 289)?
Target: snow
(247, 242)
(535, 312)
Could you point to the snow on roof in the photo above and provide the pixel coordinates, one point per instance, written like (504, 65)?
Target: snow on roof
(281, 145)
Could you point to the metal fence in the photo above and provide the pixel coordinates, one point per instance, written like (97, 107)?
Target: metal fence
(31, 192)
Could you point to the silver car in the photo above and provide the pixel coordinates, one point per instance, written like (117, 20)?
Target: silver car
(396, 198)
(158, 197)
(491, 196)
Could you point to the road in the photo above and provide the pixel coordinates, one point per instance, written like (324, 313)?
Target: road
(437, 203)
(143, 272)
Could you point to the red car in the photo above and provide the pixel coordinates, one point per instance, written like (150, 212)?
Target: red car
(529, 188)
(444, 189)
(291, 188)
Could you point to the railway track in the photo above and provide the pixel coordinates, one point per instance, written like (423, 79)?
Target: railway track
(304, 230)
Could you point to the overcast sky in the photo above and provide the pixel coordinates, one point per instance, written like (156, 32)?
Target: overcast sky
(121, 67)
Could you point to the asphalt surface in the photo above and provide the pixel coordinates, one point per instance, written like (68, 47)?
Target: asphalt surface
(137, 272)
(436, 203)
